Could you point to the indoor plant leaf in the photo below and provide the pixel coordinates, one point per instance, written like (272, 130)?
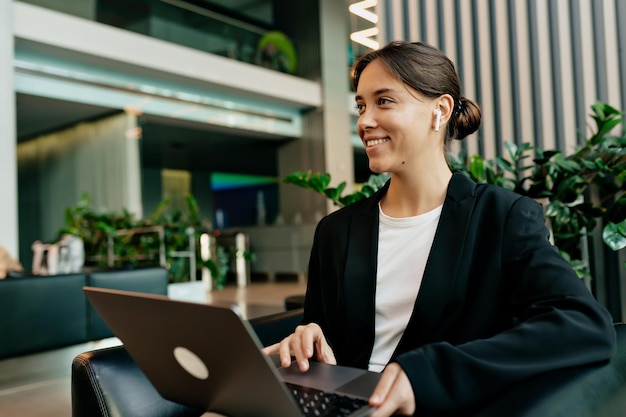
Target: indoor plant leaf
(613, 236)
(335, 193)
(476, 168)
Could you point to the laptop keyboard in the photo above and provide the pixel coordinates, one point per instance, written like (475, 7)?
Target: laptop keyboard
(316, 403)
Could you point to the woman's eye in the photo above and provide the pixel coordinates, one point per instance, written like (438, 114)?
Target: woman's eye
(359, 107)
(384, 101)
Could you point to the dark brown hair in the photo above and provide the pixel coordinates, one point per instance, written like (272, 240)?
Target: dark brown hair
(429, 71)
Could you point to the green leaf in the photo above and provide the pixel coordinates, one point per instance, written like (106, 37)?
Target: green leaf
(319, 182)
(589, 164)
(476, 168)
(566, 164)
(505, 165)
(301, 179)
(352, 198)
(508, 184)
(607, 126)
(613, 236)
(569, 190)
(525, 147)
(335, 193)
(512, 150)
(107, 228)
(367, 190)
(553, 208)
(376, 181)
(490, 176)
(544, 156)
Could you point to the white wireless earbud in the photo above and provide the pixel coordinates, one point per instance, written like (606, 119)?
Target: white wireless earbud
(437, 119)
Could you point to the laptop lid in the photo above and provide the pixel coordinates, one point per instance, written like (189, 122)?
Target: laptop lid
(208, 357)
(201, 355)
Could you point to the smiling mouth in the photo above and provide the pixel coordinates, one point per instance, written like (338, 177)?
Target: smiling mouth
(374, 142)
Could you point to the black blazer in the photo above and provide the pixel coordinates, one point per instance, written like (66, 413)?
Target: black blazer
(497, 303)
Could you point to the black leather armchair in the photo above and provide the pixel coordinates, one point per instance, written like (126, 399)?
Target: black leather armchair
(591, 391)
(108, 383)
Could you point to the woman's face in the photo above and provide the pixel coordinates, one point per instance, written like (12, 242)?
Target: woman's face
(395, 121)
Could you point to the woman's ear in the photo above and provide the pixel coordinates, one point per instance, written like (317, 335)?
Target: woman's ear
(445, 104)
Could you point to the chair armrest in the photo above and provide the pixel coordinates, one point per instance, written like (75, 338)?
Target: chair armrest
(273, 328)
(588, 391)
(108, 383)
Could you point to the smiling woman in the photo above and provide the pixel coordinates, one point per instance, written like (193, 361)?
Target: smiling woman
(432, 76)
(404, 96)
(448, 287)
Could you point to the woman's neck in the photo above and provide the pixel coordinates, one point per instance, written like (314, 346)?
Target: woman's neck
(415, 192)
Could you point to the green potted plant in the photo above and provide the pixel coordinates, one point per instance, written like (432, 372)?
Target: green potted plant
(119, 240)
(580, 190)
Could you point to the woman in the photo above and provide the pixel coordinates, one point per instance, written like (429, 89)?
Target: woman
(451, 287)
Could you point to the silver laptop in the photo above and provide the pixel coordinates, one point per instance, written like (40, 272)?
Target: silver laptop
(208, 357)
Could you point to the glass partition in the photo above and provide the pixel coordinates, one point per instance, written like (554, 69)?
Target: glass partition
(211, 26)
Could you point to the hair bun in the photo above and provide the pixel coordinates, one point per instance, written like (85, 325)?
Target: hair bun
(468, 116)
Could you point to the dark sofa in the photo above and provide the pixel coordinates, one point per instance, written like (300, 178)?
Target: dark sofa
(107, 382)
(39, 313)
(46, 312)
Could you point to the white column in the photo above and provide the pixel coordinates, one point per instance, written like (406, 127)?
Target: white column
(8, 159)
(338, 149)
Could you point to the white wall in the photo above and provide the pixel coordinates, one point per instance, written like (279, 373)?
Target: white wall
(8, 161)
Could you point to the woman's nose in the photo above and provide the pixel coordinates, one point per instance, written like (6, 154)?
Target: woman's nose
(366, 120)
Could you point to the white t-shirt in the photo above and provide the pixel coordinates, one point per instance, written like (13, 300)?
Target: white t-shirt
(403, 248)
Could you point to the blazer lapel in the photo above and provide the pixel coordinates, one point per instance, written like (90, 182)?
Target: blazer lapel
(360, 279)
(443, 263)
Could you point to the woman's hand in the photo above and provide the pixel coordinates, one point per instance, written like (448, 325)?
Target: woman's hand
(393, 394)
(303, 344)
